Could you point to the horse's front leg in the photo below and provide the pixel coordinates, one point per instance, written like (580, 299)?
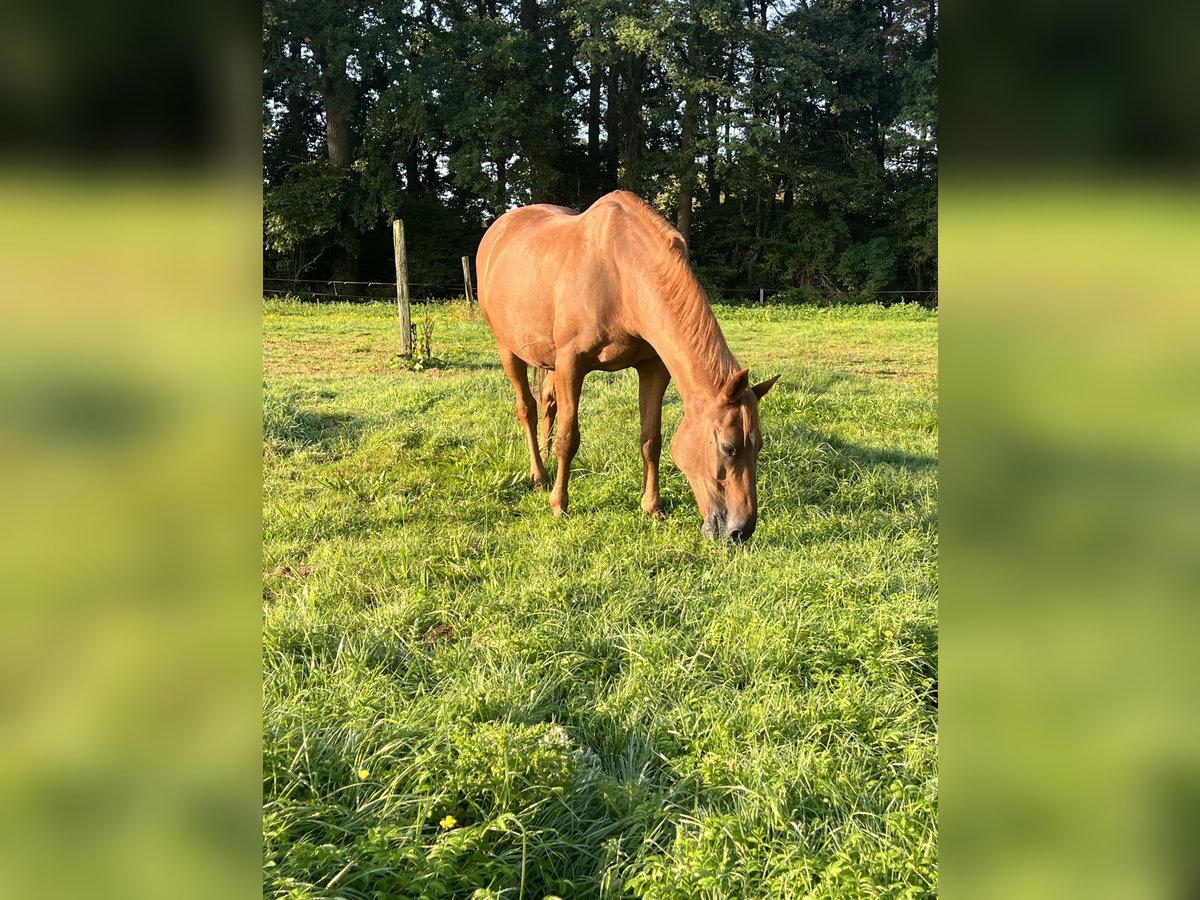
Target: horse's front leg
(652, 385)
(568, 381)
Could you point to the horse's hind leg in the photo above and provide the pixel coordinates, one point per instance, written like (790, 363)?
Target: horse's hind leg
(549, 409)
(517, 371)
(568, 380)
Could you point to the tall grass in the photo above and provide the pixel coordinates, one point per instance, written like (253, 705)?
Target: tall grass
(465, 697)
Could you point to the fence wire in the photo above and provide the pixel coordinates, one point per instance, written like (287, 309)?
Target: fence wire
(425, 291)
(315, 289)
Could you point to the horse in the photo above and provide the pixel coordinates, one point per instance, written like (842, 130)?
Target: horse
(608, 289)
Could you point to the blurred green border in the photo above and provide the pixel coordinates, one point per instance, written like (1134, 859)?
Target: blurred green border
(1071, 436)
(130, 366)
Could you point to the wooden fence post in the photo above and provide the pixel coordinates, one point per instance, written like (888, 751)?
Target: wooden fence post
(467, 280)
(402, 287)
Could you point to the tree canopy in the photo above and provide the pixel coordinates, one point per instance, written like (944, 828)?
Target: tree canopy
(792, 143)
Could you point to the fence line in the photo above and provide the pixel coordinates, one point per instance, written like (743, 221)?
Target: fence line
(390, 284)
(780, 290)
(383, 290)
(321, 289)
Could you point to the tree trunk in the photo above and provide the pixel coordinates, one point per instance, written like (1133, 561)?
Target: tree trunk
(710, 167)
(529, 16)
(683, 223)
(631, 125)
(337, 135)
(687, 139)
(535, 143)
(687, 179)
(337, 95)
(593, 144)
(612, 128)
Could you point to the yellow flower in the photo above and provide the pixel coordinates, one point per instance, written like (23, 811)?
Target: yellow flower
(887, 634)
(448, 822)
(364, 774)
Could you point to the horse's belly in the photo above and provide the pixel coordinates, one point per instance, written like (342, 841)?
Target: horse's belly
(525, 330)
(623, 354)
(538, 353)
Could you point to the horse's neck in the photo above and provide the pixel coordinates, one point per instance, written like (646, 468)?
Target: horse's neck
(685, 333)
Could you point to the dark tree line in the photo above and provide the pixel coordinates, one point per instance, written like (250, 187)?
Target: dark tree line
(793, 143)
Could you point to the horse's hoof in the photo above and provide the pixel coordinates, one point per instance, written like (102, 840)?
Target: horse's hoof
(539, 486)
(559, 509)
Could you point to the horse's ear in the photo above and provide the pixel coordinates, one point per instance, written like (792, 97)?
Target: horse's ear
(760, 389)
(734, 387)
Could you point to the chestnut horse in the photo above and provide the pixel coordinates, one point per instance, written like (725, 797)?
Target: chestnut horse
(611, 289)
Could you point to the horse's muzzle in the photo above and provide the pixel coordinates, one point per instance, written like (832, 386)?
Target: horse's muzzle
(714, 526)
(740, 532)
(717, 525)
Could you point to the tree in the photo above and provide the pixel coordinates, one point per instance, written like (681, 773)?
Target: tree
(793, 144)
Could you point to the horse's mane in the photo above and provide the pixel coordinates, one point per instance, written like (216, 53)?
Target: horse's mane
(675, 283)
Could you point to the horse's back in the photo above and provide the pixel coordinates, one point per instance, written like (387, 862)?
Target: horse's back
(514, 235)
(550, 276)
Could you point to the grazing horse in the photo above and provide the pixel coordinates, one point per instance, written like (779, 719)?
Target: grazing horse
(611, 288)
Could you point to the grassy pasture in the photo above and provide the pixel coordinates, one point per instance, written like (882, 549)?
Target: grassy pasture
(465, 697)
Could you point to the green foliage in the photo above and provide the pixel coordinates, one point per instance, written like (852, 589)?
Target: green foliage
(867, 268)
(793, 296)
(804, 133)
(466, 697)
(309, 206)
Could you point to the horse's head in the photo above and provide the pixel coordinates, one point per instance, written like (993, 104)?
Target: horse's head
(717, 448)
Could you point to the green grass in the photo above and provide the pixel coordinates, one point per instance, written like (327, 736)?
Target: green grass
(606, 706)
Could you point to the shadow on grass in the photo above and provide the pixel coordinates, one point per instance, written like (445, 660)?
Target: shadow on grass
(864, 455)
(924, 637)
(289, 428)
(410, 412)
(453, 364)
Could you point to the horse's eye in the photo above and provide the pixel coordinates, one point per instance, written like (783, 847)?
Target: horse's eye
(727, 449)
